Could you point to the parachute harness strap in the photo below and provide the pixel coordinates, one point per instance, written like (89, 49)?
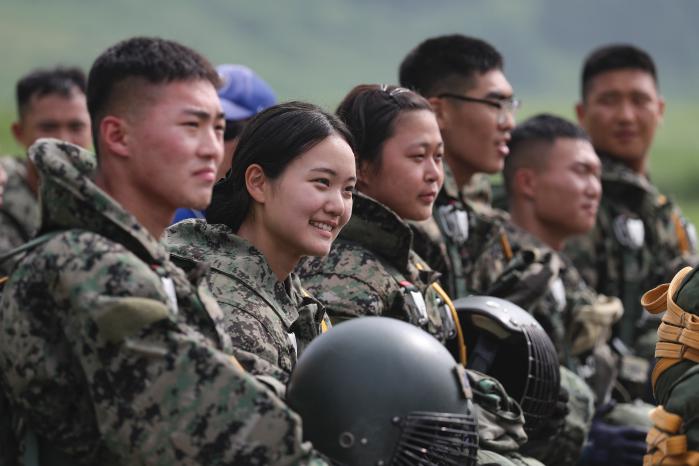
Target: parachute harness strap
(666, 445)
(678, 334)
(459, 332)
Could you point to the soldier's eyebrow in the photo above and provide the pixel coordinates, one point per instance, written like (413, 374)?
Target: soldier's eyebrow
(202, 114)
(330, 172)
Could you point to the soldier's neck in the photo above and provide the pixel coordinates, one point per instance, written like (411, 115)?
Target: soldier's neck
(462, 172)
(278, 256)
(638, 165)
(531, 224)
(153, 216)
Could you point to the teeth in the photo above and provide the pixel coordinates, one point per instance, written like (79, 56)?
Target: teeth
(322, 226)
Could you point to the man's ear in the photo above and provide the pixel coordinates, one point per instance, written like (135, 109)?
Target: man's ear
(524, 183)
(580, 112)
(440, 111)
(18, 133)
(114, 135)
(257, 183)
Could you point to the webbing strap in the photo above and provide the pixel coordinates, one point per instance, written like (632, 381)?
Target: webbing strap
(664, 448)
(455, 315)
(682, 240)
(678, 333)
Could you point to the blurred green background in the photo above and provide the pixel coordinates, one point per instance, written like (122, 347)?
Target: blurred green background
(317, 50)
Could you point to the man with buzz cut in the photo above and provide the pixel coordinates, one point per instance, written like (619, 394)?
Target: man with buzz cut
(641, 238)
(109, 353)
(50, 103)
(552, 181)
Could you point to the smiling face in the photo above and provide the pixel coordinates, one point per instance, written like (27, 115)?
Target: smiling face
(475, 138)
(408, 174)
(621, 112)
(566, 192)
(175, 143)
(302, 211)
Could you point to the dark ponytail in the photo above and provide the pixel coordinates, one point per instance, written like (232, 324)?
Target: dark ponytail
(272, 139)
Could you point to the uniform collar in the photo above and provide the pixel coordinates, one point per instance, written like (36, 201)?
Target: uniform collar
(73, 200)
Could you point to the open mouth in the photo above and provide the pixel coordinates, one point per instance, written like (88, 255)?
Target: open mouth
(322, 226)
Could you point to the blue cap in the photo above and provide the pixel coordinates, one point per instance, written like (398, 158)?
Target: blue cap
(243, 93)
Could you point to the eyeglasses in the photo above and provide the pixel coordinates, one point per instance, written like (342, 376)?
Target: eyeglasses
(505, 106)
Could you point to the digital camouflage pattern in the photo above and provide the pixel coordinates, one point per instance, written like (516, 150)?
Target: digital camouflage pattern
(19, 211)
(269, 322)
(112, 355)
(372, 270)
(459, 240)
(640, 240)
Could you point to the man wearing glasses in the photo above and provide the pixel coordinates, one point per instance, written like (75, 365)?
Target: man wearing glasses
(463, 79)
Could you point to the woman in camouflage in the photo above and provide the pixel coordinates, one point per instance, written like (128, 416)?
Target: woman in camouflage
(287, 195)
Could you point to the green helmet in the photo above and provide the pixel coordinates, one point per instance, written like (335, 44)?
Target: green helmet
(506, 342)
(379, 391)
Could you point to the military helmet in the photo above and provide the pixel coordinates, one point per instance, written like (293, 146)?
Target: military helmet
(379, 391)
(506, 342)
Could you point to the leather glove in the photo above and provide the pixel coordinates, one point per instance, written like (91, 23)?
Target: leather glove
(611, 444)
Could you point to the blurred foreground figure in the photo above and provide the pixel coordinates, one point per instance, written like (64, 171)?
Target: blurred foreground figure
(674, 440)
(380, 391)
(109, 353)
(50, 103)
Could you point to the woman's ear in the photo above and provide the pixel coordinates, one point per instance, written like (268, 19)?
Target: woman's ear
(364, 170)
(256, 183)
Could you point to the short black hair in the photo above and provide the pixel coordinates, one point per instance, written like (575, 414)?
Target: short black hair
(543, 128)
(615, 57)
(151, 59)
(440, 63)
(370, 112)
(59, 80)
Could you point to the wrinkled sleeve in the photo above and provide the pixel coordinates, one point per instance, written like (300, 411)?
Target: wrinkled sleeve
(162, 394)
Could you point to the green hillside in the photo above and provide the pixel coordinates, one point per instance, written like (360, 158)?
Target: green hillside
(318, 49)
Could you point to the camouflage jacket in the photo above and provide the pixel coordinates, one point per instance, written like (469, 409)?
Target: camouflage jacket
(640, 240)
(372, 270)
(269, 322)
(112, 355)
(19, 211)
(460, 241)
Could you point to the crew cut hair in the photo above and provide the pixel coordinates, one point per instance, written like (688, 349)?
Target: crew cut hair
(60, 80)
(542, 131)
(442, 63)
(615, 57)
(151, 59)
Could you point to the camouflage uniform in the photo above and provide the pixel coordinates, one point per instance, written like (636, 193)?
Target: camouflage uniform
(372, 270)
(269, 322)
(110, 354)
(19, 211)
(457, 240)
(639, 241)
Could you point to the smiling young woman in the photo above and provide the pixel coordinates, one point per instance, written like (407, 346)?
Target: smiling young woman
(372, 268)
(288, 195)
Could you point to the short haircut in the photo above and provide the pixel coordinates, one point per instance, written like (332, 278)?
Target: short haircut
(370, 112)
(273, 139)
(615, 57)
(149, 59)
(441, 64)
(531, 140)
(60, 80)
